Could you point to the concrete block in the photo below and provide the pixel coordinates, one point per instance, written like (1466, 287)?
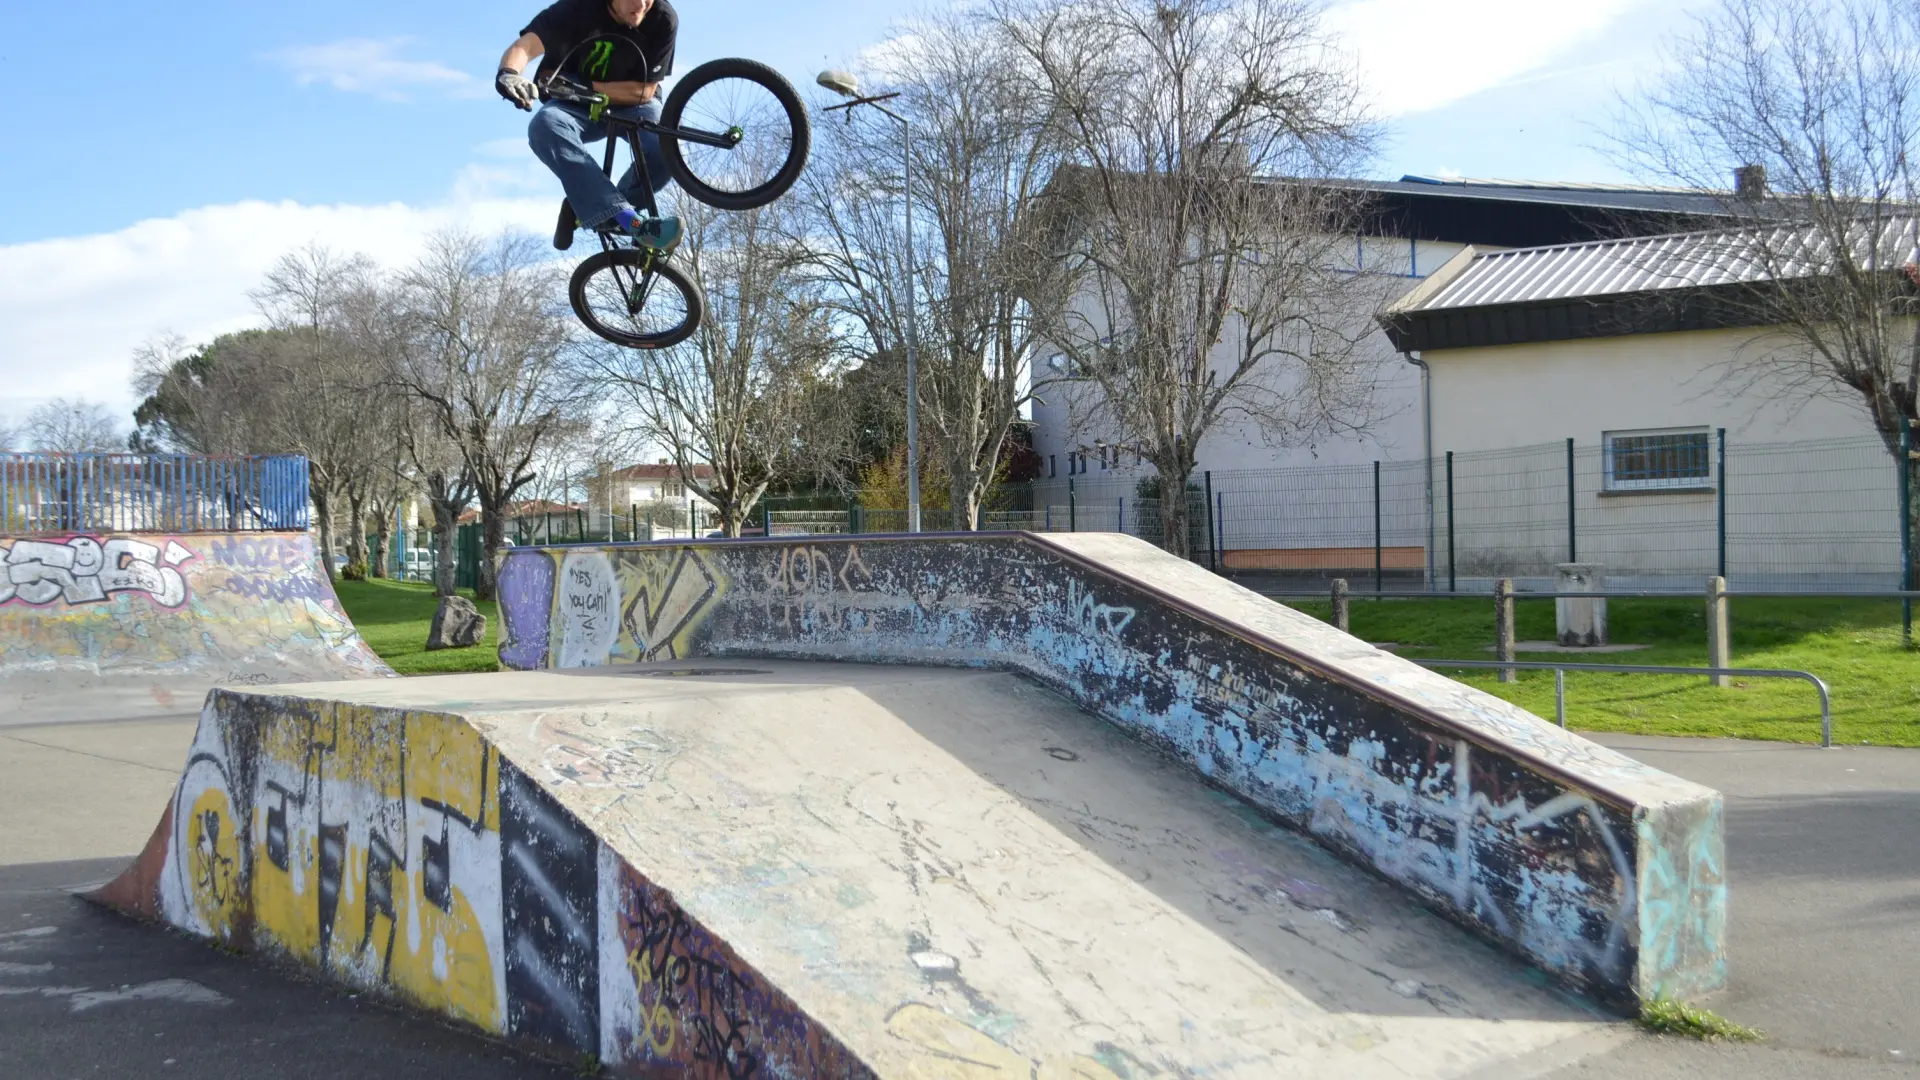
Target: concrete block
(1604, 872)
(1581, 621)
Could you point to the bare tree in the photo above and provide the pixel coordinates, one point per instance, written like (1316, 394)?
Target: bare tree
(440, 473)
(733, 396)
(327, 387)
(1815, 108)
(983, 152)
(72, 426)
(1206, 295)
(485, 337)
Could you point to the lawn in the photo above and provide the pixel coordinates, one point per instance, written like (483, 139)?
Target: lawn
(1854, 645)
(394, 616)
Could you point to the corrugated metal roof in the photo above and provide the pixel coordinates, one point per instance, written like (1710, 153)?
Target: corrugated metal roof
(1654, 263)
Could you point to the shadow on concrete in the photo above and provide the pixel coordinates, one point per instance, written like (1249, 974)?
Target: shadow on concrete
(86, 992)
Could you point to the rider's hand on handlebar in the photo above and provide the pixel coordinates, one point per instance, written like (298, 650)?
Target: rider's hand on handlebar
(516, 88)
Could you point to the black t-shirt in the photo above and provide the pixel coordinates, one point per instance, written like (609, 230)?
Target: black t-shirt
(583, 35)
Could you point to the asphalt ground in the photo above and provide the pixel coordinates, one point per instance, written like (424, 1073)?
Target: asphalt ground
(1823, 860)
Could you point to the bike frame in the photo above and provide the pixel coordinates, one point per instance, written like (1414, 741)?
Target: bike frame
(622, 129)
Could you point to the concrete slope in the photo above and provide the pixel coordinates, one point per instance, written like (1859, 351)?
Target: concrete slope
(798, 870)
(95, 627)
(1604, 872)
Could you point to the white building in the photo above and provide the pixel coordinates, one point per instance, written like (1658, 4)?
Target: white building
(1600, 401)
(1414, 226)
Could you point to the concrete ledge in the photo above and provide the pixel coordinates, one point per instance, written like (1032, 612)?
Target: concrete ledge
(1604, 872)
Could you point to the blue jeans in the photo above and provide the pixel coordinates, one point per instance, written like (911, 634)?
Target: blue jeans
(559, 135)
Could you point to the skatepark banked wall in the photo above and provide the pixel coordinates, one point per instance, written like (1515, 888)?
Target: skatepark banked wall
(155, 613)
(1604, 872)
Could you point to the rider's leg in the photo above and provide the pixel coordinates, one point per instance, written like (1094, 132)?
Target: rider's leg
(559, 135)
(662, 233)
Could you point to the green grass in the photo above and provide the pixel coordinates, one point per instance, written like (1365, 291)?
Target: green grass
(394, 616)
(1854, 645)
(1664, 1016)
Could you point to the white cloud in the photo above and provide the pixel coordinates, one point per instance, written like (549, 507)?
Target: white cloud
(1417, 55)
(374, 66)
(75, 309)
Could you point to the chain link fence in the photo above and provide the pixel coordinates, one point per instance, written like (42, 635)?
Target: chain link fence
(1654, 512)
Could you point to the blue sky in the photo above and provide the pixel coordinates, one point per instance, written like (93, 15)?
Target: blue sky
(160, 156)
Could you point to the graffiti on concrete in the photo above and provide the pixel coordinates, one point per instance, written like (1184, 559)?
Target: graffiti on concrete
(589, 609)
(684, 1000)
(398, 851)
(670, 592)
(246, 608)
(1572, 855)
(361, 841)
(89, 570)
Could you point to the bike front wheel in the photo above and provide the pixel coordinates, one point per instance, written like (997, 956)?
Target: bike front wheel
(636, 299)
(736, 134)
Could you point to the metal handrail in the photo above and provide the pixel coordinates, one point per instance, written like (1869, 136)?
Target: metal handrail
(1560, 683)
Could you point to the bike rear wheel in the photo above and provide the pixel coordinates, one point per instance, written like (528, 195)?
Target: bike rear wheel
(636, 299)
(744, 96)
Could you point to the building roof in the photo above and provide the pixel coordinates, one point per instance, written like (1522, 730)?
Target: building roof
(661, 471)
(1665, 200)
(1608, 288)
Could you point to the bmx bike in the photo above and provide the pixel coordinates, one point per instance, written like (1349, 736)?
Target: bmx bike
(735, 136)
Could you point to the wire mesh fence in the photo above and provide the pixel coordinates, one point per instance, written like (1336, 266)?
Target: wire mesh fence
(100, 493)
(1659, 511)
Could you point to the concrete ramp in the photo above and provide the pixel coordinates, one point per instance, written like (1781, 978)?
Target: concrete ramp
(119, 626)
(1083, 811)
(768, 868)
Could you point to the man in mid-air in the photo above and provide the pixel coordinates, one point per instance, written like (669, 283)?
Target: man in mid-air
(623, 48)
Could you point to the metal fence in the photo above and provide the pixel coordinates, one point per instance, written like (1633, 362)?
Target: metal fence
(1818, 515)
(70, 493)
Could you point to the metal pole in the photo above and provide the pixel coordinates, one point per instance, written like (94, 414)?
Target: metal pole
(1906, 530)
(1073, 508)
(1220, 523)
(1213, 549)
(1573, 547)
(1560, 696)
(913, 319)
(1342, 611)
(1379, 567)
(1453, 582)
(1723, 505)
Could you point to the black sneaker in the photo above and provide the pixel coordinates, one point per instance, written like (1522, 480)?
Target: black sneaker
(563, 229)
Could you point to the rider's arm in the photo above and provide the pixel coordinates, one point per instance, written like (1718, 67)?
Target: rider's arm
(622, 95)
(522, 52)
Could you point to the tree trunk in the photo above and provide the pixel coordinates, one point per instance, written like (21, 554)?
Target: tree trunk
(356, 527)
(493, 531)
(323, 517)
(1173, 508)
(446, 528)
(377, 555)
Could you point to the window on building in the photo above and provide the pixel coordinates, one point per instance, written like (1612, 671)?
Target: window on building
(1655, 459)
(670, 489)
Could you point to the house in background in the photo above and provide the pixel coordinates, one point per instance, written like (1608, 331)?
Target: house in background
(1411, 228)
(637, 491)
(1606, 377)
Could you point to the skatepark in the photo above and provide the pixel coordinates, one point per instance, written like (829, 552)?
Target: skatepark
(1023, 805)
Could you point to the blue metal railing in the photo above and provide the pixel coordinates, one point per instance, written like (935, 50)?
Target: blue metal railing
(67, 493)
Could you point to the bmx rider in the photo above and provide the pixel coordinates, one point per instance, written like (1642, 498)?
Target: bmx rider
(623, 48)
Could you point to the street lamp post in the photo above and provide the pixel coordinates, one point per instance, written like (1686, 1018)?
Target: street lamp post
(844, 84)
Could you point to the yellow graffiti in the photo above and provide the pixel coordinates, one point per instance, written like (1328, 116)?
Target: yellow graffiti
(667, 595)
(213, 852)
(401, 769)
(953, 1050)
(657, 1026)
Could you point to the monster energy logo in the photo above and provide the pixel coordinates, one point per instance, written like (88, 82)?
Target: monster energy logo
(599, 58)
